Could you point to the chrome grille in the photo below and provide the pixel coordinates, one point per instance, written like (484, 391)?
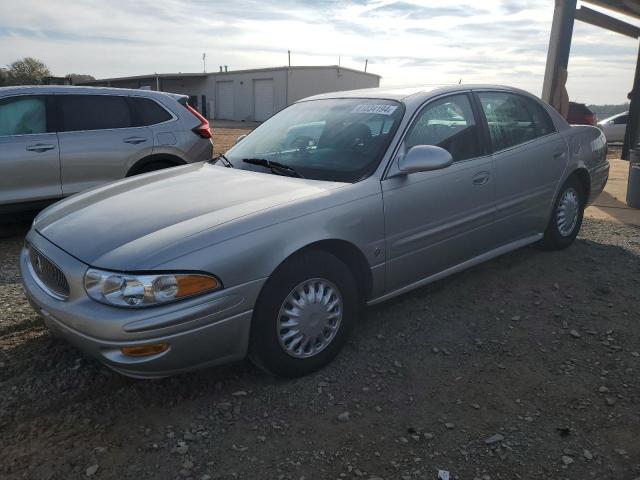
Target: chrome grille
(50, 277)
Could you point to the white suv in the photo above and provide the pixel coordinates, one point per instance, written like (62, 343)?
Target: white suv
(57, 141)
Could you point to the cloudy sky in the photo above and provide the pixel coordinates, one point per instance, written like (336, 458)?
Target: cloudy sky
(408, 42)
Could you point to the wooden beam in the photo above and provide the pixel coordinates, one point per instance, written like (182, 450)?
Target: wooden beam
(593, 17)
(559, 45)
(628, 8)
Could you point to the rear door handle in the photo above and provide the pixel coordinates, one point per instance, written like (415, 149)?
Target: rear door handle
(559, 155)
(481, 178)
(134, 140)
(40, 147)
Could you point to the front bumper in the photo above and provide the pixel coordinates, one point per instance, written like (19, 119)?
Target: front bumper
(203, 331)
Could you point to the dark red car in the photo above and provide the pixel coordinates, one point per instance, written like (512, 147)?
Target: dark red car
(579, 114)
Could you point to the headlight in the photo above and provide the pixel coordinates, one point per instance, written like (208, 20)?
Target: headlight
(126, 290)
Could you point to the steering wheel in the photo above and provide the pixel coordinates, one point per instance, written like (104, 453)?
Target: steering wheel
(356, 136)
(303, 142)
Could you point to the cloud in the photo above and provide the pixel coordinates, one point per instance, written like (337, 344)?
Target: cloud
(405, 9)
(408, 42)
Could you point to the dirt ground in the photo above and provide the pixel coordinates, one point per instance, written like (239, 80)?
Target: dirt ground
(527, 366)
(225, 138)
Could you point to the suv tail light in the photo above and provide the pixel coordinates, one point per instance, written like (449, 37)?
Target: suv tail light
(592, 119)
(203, 130)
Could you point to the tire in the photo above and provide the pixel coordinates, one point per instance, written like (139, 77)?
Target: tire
(313, 269)
(555, 237)
(152, 167)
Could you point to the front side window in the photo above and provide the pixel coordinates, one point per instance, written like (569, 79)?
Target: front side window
(22, 115)
(447, 123)
(340, 140)
(621, 120)
(93, 112)
(514, 119)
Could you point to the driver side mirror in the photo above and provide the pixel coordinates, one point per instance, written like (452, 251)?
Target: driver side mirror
(240, 138)
(424, 158)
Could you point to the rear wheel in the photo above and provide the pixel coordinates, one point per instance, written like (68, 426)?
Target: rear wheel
(566, 218)
(304, 315)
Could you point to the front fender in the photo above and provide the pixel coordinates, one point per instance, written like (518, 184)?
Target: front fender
(353, 214)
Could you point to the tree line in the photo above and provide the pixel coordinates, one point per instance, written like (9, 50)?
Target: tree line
(31, 71)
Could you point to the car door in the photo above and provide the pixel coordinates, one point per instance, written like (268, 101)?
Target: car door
(29, 153)
(438, 219)
(98, 140)
(529, 158)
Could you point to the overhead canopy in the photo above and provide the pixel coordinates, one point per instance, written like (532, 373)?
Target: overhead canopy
(626, 7)
(554, 90)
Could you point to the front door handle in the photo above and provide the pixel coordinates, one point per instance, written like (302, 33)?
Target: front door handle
(559, 155)
(40, 147)
(481, 178)
(134, 140)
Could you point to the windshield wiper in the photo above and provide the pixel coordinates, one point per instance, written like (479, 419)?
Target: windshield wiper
(225, 161)
(275, 167)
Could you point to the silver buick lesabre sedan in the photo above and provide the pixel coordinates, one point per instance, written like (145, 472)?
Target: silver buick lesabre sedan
(339, 201)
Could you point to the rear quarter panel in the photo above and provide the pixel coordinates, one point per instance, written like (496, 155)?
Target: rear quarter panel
(588, 150)
(177, 138)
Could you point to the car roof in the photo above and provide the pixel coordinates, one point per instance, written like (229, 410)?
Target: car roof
(613, 117)
(402, 94)
(78, 90)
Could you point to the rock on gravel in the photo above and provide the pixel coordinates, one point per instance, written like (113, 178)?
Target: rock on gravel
(344, 417)
(91, 471)
(497, 438)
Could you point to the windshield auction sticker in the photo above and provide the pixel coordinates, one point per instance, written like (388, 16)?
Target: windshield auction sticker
(380, 109)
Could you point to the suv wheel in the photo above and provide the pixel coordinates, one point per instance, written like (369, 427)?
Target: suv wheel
(304, 315)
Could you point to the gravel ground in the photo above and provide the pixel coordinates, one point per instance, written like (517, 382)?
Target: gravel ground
(524, 367)
(527, 366)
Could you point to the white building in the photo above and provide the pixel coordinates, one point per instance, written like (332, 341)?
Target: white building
(249, 95)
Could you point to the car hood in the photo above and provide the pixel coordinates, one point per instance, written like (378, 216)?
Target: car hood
(121, 225)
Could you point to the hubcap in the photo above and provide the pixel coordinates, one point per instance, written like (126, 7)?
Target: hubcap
(309, 318)
(567, 212)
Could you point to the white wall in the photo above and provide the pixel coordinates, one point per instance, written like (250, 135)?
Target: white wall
(243, 91)
(289, 85)
(304, 82)
(187, 86)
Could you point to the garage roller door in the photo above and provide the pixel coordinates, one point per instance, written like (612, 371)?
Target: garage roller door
(262, 99)
(224, 100)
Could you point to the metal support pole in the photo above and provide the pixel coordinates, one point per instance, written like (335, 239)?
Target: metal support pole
(631, 135)
(559, 46)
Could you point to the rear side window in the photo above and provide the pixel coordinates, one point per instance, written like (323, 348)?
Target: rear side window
(147, 112)
(93, 112)
(514, 119)
(22, 115)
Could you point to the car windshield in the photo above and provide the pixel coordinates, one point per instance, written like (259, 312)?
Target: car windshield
(338, 140)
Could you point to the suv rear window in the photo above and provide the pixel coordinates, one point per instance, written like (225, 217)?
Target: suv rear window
(147, 112)
(93, 112)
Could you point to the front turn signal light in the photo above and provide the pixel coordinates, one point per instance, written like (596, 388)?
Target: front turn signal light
(145, 350)
(189, 285)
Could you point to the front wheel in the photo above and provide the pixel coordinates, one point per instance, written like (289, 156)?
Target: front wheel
(304, 315)
(566, 218)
